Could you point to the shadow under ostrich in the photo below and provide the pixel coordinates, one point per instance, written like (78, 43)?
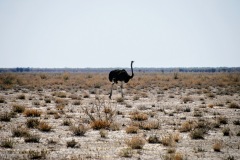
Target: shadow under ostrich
(119, 75)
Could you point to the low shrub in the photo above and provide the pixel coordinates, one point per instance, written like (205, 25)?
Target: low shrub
(5, 117)
(174, 156)
(76, 103)
(114, 126)
(217, 146)
(20, 132)
(211, 95)
(100, 124)
(7, 143)
(187, 99)
(103, 133)
(136, 142)
(168, 140)
(32, 138)
(79, 130)
(126, 152)
(71, 143)
(120, 100)
(60, 94)
(236, 122)
(32, 123)
(47, 100)
(132, 129)
(186, 126)
(234, 105)
(153, 139)
(18, 108)
(44, 126)
(21, 96)
(148, 125)
(222, 120)
(101, 115)
(67, 122)
(137, 116)
(176, 137)
(226, 131)
(197, 133)
(32, 113)
(2, 99)
(238, 133)
(34, 154)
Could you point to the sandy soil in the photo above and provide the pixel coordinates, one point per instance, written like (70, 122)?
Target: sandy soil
(170, 108)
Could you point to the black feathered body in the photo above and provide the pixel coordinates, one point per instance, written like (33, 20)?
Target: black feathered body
(119, 75)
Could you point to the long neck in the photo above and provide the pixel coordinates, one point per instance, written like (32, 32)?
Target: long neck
(132, 70)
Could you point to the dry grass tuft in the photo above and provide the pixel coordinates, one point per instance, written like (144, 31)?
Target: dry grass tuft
(234, 105)
(47, 100)
(32, 138)
(115, 126)
(44, 126)
(153, 139)
(187, 126)
(20, 132)
(60, 94)
(2, 99)
(211, 95)
(32, 123)
(79, 130)
(126, 152)
(217, 146)
(148, 125)
(32, 113)
(174, 156)
(197, 133)
(86, 95)
(176, 137)
(21, 96)
(132, 129)
(76, 102)
(103, 133)
(120, 99)
(61, 102)
(168, 140)
(7, 143)
(71, 143)
(5, 116)
(136, 142)
(18, 108)
(35, 154)
(67, 122)
(138, 116)
(226, 131)
(100, 124)
(187, 99)
(222, 120)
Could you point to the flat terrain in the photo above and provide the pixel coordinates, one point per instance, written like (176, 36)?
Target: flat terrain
(168, 116)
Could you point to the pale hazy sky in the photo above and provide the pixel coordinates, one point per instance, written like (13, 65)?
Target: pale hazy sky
(111, 33)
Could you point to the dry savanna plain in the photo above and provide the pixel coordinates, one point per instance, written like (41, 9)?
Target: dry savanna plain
(165, 116)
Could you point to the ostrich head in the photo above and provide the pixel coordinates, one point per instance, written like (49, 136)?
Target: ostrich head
(132, 69)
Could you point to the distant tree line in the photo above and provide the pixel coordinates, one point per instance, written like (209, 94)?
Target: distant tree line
(96, 70)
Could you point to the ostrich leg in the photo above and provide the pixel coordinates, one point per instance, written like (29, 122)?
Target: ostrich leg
(122, 88)
(110, 95)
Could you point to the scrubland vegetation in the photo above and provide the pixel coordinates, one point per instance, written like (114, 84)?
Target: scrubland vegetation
(168, 116)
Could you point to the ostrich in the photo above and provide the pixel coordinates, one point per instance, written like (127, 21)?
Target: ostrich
(120, 75)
